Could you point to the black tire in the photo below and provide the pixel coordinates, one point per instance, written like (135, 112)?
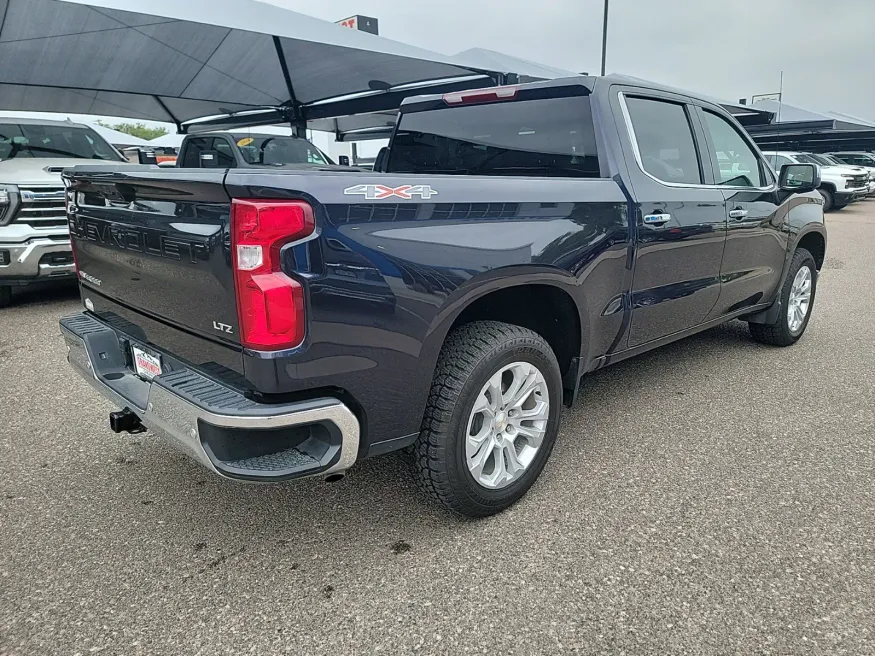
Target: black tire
(826, 194)
(779, 333)
(5, 296)
(471, 354)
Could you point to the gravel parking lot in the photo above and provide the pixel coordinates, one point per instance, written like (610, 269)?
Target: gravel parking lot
(716, 496)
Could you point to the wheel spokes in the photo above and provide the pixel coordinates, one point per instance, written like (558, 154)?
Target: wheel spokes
(507, 424)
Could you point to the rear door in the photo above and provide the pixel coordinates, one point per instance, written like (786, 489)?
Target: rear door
(756, 243)
(681, 222)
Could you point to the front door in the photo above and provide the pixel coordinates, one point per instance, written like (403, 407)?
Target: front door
(681, 219)
(756, 243)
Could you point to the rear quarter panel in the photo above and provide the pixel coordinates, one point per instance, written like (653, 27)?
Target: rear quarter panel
(386, 278)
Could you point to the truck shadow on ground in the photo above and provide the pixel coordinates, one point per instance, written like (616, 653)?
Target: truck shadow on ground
(32, 296)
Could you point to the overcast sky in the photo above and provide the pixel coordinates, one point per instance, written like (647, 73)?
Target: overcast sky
(730, 49)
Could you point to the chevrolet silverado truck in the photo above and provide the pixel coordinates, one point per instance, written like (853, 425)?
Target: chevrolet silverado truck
(34, 242)
(839, 185)
(857, 159)
(281, 324)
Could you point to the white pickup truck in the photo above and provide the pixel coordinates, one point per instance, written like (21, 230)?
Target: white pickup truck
(34, 239)
(839, 185)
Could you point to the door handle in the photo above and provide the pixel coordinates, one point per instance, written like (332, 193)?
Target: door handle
(737, 213)
(656, 220)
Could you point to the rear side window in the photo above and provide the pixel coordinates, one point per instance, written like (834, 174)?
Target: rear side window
(547, 137)
(193, 150)
(665, 140)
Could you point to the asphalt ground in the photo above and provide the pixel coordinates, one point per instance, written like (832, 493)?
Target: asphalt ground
(715, 496)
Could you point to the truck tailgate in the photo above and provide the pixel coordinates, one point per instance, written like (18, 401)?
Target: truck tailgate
(158, 242)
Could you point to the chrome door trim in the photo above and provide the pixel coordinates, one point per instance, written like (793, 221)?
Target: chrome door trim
(627, 119)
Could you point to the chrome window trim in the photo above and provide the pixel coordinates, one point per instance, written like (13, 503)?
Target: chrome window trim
(627, 119)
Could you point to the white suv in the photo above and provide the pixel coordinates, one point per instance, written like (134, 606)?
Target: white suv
(839, 184)
(34, 240)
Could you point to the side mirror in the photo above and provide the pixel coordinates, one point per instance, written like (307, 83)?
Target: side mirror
(799, 178)
(343, 160)
(209, 159)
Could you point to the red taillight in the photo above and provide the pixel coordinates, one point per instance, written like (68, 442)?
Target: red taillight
(480, 96)
(270, 305)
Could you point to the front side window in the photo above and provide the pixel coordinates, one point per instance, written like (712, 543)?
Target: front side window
(23, 141)
(864, 160)
(738, 164)
(665, 140)
(541, 137)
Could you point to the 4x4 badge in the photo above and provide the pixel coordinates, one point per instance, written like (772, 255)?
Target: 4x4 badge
(379, 192)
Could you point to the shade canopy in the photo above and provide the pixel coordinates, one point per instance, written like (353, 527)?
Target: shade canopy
(787, 113)
(117, 138)
(194, 58)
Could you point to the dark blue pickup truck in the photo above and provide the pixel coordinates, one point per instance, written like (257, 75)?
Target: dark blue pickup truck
(281, 324)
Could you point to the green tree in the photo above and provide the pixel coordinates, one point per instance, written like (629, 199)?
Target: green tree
(136, 130)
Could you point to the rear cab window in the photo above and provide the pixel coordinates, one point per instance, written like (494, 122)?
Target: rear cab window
(549, 137)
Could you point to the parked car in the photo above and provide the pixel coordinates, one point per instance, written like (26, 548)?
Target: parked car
(520, 236)
(34, 241)
(864, 160)
(246, 149)
(839, 186)
(856, 158)
(830, 160)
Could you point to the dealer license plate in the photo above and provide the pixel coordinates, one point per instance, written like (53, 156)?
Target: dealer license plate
(148, 366)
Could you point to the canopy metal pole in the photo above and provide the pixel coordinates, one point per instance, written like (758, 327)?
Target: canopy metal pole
(605, 38)
(297, 122)
(179, 129)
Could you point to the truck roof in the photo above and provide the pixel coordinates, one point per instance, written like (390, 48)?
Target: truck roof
(588, 82)
(40, 121)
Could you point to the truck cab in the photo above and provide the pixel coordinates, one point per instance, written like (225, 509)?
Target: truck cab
(34, 239)
(246, 149)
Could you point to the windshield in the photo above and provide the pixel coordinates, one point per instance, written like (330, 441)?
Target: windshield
(832, 161)
(823, 160)
(20, 140)
(279, 150)
(807, 159)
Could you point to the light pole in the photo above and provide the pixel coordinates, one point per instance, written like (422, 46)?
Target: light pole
(605, 38)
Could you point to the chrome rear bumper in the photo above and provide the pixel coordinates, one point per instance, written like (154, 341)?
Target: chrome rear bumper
(228, 433)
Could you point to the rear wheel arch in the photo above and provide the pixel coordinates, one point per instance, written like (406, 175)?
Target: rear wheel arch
(547, 308)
